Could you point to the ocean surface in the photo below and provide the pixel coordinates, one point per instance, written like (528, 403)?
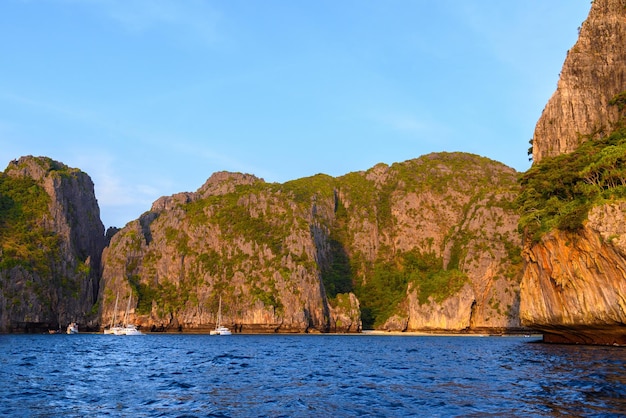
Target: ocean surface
(88, 375)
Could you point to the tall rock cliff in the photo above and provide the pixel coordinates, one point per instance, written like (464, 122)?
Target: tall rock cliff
(574, 283)
(51, 241)
(391, 244)
(574, 287)
(442, 232)
(237, 238)
(593, 73)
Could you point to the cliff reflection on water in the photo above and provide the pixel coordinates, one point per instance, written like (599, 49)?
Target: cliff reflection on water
(299, 375)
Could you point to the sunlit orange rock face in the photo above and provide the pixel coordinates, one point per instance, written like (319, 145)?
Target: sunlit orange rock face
(593, 73)
(574, 285)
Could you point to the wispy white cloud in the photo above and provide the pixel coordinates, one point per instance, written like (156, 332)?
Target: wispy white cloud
(515, 35)
(178, 146)
(406, 123)
(5, 128)
(9, 149)
(200, 154)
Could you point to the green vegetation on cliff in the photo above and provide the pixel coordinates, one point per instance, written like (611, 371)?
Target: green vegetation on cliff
(558, 192)
(304, 189)
(387, 284)
(46, 270)
(434, 189)
(378, 233)
(23, 240)
(337, 276)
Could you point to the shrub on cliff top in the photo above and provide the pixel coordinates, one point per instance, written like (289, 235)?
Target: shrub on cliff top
(558, 192)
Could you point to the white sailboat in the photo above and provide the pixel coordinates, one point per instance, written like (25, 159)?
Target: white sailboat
(219, 329)
(127, 329)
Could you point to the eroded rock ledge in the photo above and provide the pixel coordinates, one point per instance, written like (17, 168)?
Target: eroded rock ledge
(574, 285)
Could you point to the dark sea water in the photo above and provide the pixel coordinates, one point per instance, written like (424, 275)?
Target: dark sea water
(301, 375)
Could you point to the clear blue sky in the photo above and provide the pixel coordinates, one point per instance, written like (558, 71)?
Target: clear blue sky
(149, 97)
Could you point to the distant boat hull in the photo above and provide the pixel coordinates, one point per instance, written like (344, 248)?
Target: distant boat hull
(221, 331)
(127, 330)
(72, 328)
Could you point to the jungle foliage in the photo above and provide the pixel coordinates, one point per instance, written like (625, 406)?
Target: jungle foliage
(558, 192)
(388, 281)
(23, 240)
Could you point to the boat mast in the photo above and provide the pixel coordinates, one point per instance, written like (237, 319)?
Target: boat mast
(127, 310)
(219, 314)
(114, 317)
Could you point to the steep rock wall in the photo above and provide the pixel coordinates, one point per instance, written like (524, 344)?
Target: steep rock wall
(456, 207)
(574, 285)
(291, 257)
(593, 73)
(51, 264)
(253, 249)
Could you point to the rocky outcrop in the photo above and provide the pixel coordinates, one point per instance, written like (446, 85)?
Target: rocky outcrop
(345, 316)
(427, 244)
(454, 314)
(594, 72)
(251, 248)
(299, 256)
(456, 207)
(574, 285)
(52, 241)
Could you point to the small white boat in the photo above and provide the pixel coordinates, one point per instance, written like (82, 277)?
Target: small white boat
(127, 329)
(111, 330)
(72, 328)
(219, 329)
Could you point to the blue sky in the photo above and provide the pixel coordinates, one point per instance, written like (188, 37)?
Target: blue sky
(150, 97)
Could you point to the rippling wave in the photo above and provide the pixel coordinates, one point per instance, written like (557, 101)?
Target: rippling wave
(303, 375)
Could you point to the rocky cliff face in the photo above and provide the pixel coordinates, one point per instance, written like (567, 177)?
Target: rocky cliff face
(312, 254)
(237, 238)
(51, 241)
(454, 209)
(428, 244)
(593, 73)
(574, 285)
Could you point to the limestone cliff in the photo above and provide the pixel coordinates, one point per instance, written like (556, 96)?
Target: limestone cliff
(573, 211)
(444, 223)
(574, 285)
(237, 238)
(51, 241)
(314, 254)
(593, 73)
